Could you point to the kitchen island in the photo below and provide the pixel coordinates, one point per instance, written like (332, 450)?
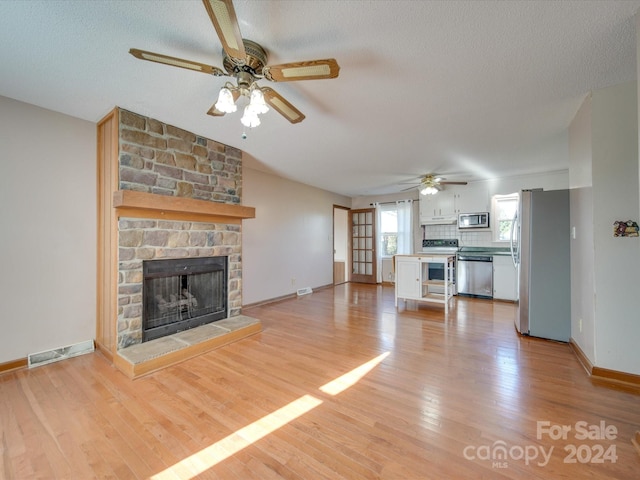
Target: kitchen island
(414, 283)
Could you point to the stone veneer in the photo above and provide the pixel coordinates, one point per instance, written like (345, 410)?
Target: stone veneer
(158, 158)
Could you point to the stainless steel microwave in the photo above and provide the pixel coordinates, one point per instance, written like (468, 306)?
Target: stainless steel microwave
(473, 220)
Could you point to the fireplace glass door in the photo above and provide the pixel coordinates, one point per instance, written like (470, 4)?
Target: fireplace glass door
(183, 293)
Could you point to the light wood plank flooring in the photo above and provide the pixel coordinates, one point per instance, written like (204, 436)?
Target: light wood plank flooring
(340, 384)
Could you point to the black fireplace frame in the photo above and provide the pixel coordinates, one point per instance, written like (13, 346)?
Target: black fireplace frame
(162, 268)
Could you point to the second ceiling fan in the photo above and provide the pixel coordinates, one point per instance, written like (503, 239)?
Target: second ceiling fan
(246, 61)
(431, 184)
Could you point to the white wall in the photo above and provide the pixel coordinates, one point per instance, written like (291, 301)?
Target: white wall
(289, 245)
(605, 287)
(614, 128)
(548, 181)
(582, 250)
(48, 240)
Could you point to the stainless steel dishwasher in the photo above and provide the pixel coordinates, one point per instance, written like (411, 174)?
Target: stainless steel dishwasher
(475, 275)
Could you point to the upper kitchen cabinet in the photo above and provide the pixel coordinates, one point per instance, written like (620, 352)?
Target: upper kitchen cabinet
(438, 208)
(472, 198)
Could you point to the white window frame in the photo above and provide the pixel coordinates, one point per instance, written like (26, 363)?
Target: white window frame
(402, 237)
(495, 214)
(387, 208)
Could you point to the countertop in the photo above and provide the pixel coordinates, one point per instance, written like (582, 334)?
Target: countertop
(506, 251)
(427, 254)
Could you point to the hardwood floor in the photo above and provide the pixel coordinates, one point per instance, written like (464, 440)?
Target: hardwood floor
(339, 384)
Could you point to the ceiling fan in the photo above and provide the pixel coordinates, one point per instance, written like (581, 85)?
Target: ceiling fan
(431, 184)
(246, 61)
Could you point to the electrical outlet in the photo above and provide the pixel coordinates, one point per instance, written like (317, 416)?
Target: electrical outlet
(293, 280)
(580, 325)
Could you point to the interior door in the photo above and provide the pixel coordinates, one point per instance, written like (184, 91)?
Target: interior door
(341, 250)
(363, 245)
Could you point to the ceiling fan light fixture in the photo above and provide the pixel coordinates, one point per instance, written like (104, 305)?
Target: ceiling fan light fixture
(250, 117)
(257, 103)
(429, 190)
(225, 101)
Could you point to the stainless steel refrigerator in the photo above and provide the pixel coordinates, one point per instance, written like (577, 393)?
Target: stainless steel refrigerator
(540, 242)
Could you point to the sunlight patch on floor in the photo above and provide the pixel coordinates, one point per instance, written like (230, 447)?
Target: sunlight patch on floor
(219, 451)
(208, 457)
(349, 379)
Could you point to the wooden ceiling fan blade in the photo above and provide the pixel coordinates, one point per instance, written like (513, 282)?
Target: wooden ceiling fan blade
(176, 62)
(452, 183)
(282, 106)
(223, 17)
(214, 112)
(311, 70)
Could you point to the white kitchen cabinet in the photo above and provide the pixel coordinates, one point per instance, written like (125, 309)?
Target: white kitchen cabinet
(505, 279)
(438, 208)
(412, 279)
(407, 277)
(472, 198)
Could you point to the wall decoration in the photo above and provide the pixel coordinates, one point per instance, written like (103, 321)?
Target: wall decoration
(625, 229)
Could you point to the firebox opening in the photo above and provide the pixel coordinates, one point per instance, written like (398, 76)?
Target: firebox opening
(179, 294)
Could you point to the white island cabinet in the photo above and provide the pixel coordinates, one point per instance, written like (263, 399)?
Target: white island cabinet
(413, 283)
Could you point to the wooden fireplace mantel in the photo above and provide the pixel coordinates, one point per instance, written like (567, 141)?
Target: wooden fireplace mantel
(129, 203)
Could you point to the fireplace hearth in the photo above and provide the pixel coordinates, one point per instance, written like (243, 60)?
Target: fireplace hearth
(183, 293)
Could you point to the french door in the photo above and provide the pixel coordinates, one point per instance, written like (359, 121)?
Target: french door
(363, 245)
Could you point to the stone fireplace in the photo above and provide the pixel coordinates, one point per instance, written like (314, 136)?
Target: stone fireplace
(166, 196)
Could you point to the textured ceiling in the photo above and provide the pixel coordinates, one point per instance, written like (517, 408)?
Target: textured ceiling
(466, 89)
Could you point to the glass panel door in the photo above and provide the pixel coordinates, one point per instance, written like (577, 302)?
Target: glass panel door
(363, 245)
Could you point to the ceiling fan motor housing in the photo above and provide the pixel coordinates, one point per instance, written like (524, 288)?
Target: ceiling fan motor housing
(255, 60)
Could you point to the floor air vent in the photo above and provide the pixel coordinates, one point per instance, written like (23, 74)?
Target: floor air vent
(304, 291)
(62, 353)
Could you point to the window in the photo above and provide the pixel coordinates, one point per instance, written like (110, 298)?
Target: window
(504, 209)
(388, 230)
(395, 232)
